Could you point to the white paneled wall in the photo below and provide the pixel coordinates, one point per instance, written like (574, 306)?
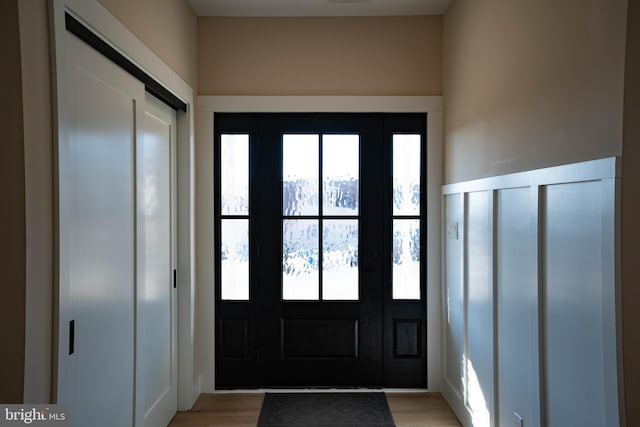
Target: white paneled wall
(479, 307)
(454, 329)
(530, 298)
(516, 305)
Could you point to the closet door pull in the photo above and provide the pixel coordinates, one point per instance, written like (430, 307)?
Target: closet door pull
(72, 336)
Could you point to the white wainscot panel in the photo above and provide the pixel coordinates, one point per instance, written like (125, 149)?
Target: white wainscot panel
(573, 309)
(454, 295)
(530, 297)
(479, 361)
(517, 307)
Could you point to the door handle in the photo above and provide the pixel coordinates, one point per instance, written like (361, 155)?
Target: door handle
(370, 263)
(257, 351)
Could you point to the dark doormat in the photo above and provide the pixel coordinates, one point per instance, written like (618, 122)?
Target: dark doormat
(325, 410)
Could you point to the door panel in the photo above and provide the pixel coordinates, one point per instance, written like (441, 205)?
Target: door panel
(157, 365)
(319, 338)
(97, 241)
(341, 347)
(319, 255)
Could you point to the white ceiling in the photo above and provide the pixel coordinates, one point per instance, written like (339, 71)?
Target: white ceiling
(255, 8)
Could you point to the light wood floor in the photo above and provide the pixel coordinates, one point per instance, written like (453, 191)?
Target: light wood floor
(242, 410)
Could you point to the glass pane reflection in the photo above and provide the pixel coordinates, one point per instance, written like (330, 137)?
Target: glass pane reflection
(300, 260)
(340, 260)
(406, 259)
(341, 173)
(234, 167)
(235, 259)
(406, 174)
(300, 174)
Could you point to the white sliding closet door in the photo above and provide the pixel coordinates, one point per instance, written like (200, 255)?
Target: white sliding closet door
(97, 238)
(157, 360)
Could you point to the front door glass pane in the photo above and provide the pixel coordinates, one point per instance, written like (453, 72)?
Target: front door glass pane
(300, 172)
(340, 259)
(300, 260)
(340, 174)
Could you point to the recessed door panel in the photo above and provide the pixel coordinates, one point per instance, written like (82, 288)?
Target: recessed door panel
(319, 338)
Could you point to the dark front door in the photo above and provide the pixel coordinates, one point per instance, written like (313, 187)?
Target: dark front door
(319, 256)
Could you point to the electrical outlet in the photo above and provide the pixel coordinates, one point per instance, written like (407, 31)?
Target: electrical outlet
(519, 421)
(452, 230)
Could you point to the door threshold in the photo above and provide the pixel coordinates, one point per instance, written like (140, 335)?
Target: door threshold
(323, 390)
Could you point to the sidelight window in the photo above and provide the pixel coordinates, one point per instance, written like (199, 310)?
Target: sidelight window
(234, 207)
(406, 216)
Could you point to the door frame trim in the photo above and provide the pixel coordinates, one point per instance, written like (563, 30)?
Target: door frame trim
(209, 105)
(104, 25)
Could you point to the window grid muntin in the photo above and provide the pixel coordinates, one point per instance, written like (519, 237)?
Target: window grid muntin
(321, 217)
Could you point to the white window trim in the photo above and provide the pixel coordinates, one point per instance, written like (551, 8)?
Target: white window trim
(209, 105)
